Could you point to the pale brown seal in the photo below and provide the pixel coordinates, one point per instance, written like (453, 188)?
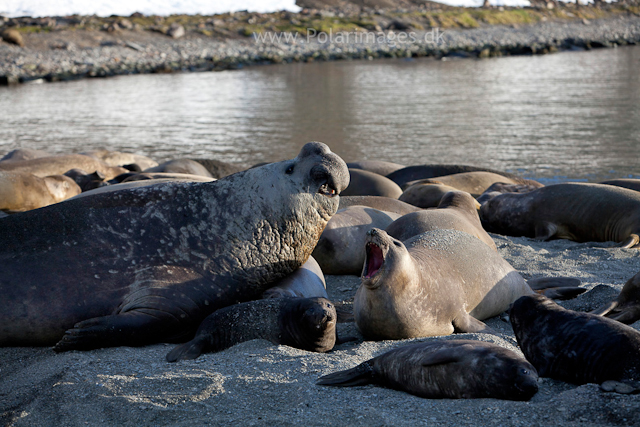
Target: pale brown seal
(625, 308)
(306, 282)
(574, 347)
(59, 164)
(365, 183)
(425, 195)
(416, 172)
(118, 158)
(575, 211)
(376, 166)
(475, 183)
(457, 211)
(446, 369)
(380, 203)
(435, 283)
(305, 323)
(186, 166)
(149, 264)
(22, 192)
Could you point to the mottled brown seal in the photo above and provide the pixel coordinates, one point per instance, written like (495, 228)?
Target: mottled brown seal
(22, 192)
(149, 264)
(305, 323)
(574, 347)
(457, 211)
(625, 308)
(58, 165)
(435, 283)
(575, 211)
(446, 369)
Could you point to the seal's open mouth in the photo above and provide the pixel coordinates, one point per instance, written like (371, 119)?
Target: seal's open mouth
(373, 261)
(327, 190)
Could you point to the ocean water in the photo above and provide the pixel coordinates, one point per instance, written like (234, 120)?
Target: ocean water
(565, 116)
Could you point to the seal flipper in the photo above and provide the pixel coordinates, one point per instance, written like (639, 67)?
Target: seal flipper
(191, 350)
(545, 231)
(633, 241)
(560, 288)
(605, 309)
(360, 375)
(469, 324)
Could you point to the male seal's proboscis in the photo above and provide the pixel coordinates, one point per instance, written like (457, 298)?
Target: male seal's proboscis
(147, 265)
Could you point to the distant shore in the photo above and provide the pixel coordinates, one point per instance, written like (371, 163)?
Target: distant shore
(67, 48)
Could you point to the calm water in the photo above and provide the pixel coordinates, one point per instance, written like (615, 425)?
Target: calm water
(573, 115)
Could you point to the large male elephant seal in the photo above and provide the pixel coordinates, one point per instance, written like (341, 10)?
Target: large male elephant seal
(575, 211)
(149, 264)
(449, 369)
(574, 347)
(457, 211)
(435, 283)
(22, 192)
(305, 323)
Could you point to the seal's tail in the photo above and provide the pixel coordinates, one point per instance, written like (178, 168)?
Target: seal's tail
(360, 375)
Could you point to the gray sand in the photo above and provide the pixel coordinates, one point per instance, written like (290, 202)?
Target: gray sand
(257, 383)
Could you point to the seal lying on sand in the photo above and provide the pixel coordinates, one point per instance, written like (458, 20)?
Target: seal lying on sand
(449, 369)
(435, 283)
(574, 347)
(149, 264)
(626, 308)
(22, 192)
(574, 211)
(305, 323)
(457, 211)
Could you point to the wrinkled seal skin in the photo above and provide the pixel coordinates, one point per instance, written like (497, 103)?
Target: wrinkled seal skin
(149, 264)
(446, 369)
(575, 347)
(305, 323)
(435, 283)
(625, 308)
(457, 211)
(339, 250)
(306, 282)
(574, 211)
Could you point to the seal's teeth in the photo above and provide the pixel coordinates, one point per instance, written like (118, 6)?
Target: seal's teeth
(374, 260)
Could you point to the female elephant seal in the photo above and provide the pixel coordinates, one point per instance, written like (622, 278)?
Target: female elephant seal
(149, 264)
(305, 323)
(574, 347)
(449, 369)
(435, 283)
(574, 211)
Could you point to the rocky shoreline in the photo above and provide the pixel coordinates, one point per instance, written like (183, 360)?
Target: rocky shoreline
(57, 49)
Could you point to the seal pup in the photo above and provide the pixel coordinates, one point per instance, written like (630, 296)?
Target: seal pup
(149, 264)
(21, 192)
(574, 347)
(365, 183)
(435, 283)
(457, 211)
(305, 323)
(446, 369)
(625, 308)
(575, 211)
(306, 282)
(339, 249)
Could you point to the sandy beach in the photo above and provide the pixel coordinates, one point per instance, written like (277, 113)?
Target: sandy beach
(258, 383)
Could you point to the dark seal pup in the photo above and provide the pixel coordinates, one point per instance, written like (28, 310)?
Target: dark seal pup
(574, 211)
(449, 369)
(305, 323)
(625, 308)
(575, 347)
(149, 264)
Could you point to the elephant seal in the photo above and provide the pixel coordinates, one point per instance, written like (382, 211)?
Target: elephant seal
(364, 183)
(58, 165)
(435, 283)
(425, 195)
(475, 183)
(446, 369)
(376, 166)
(340, 248)
(306, 282)
(24, 154)
(149, 264)
(118, 158)
(377, 202)
(218, 169)
(416, 172)
(575, 347)
(498, 188)
(630, 183)
(186, 166)
(305, 323)
(21, 192)
(85, 180)
(457, 211)
(625, 308)
(575, 211)
(168, 176)
(11, 35)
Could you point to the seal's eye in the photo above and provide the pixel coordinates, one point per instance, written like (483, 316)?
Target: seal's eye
(289, 170)
(524, 371)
